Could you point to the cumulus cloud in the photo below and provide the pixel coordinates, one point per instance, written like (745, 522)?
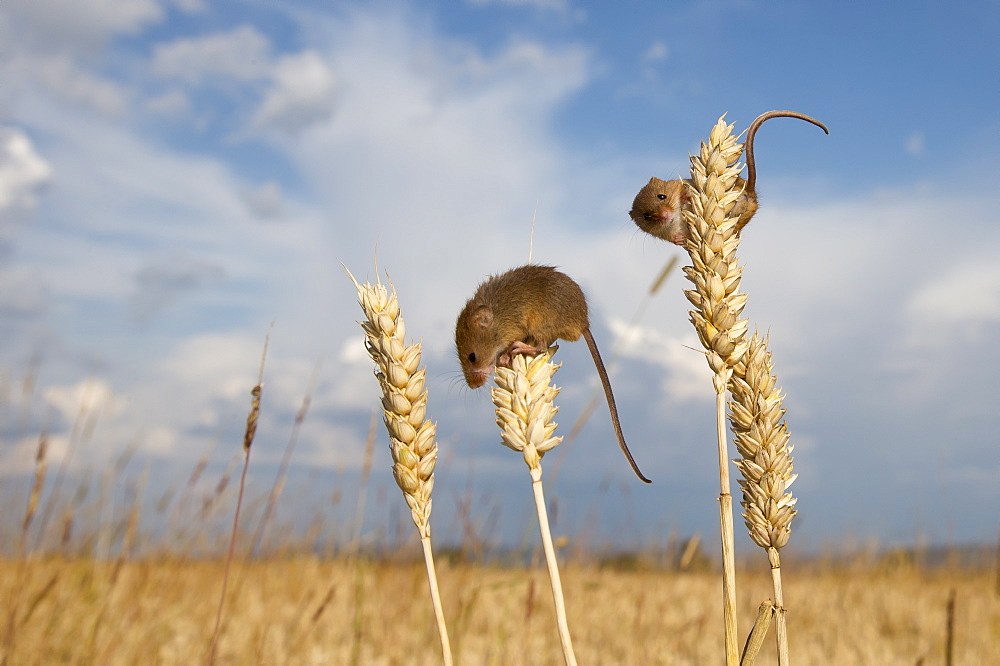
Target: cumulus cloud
(960, 303)
(303, 92)
(73, 24)
(242, 54)
(560, 6)
(22, 171)
(681, 366)
(265, 201)
(63, 78)
(170, 103)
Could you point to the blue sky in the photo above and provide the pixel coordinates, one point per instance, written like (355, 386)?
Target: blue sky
(175, 175)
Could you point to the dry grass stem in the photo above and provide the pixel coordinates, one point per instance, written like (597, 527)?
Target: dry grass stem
(524, 400)
(712, 243)
(404, 403)
(757, 635)
(248, 436)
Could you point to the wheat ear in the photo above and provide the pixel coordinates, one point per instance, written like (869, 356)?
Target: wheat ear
(712, 243)
(523, 397)
(404, 404)
(758, 421)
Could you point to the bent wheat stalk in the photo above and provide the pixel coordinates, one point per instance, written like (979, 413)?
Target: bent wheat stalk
(757, 417)
(404, 405)
(523, 397)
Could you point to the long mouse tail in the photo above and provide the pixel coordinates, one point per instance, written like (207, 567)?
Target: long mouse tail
(611, 402)
(755, 125)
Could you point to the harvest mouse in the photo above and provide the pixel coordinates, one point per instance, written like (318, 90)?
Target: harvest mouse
(523, 311)
(657, 206)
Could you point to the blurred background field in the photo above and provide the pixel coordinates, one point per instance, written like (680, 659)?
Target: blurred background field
(93, 584)
(305, 610)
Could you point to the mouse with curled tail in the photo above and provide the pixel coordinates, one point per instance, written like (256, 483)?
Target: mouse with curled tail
(658, 205)
(524, 311)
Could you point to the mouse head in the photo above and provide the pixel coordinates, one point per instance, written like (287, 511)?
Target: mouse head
(475, 343)
(657, 209)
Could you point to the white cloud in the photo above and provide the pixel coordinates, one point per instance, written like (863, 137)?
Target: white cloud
(70, 24)
(962, 301)
(266, 201)
(303, 92)
(67, 81)
(82, 401)
(684, 371)
(190, 6)
(170, 103)
(560, 6)
(242, 54)
(22, 170)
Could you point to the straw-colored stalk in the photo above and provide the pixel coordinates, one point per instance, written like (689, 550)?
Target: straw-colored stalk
(404, 403)
(248, 436)
(757, 417)
(523, 397)
(712, 243)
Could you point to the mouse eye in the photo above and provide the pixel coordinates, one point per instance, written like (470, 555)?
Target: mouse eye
(647, 217)
(661, 197)
(472, 357)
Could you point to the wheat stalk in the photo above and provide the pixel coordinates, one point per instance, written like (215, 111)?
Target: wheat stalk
(523, 397)
(712, 242)
(761, 437)
(404, 403)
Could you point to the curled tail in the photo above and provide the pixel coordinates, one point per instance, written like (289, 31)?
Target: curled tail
(755, 125)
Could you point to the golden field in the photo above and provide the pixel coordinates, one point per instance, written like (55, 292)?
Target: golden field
(304, 610)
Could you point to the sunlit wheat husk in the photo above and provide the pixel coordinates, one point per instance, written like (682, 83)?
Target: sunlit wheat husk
(758, 420)
(404, 403)
(524, 400)
(712, 242)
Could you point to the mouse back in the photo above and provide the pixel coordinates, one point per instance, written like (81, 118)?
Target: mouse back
(532, 304)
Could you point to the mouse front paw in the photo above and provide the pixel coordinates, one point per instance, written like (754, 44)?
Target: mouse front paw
(516, 348)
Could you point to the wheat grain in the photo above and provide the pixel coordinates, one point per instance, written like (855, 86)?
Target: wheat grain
(715, 273)
(524, 400)
(404, 404)
(761, 437)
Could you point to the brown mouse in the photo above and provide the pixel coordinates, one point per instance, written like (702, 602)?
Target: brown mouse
(657, 206)
(524, 311)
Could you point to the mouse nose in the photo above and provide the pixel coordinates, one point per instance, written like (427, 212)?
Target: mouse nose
(476, 378)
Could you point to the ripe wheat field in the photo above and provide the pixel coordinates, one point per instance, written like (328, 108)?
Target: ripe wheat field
(307, 610)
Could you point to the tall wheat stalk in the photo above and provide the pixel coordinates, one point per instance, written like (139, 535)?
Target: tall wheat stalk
(744, 368)
(404, 404)
(712, 243)
(523, 397)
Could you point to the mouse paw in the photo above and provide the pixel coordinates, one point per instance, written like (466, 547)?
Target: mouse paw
(516, 348)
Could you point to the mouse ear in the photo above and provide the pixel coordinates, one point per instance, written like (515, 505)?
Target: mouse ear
(482, 317)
